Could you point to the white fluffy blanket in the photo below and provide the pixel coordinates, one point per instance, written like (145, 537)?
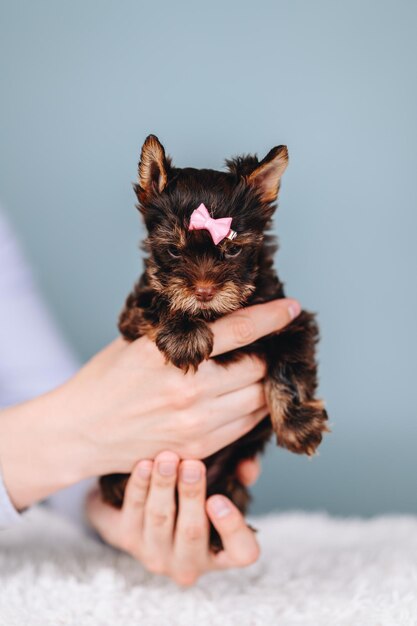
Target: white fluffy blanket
(314, 571)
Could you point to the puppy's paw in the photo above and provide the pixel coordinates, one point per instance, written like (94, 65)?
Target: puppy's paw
(112, 487)
(301, 430)
(186, 348)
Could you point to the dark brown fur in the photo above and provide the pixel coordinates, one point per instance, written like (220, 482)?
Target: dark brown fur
(163, 305)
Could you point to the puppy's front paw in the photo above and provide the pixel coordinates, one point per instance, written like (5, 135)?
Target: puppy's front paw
(301, 429)
(186, 348)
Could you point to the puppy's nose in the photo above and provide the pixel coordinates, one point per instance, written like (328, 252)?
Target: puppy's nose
(204, 293)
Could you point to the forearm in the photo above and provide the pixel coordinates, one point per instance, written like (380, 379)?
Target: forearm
(40, 449)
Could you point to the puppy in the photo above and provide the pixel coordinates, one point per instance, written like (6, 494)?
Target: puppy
(209, 253)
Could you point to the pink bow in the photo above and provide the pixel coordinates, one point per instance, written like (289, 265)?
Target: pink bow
(218, 228)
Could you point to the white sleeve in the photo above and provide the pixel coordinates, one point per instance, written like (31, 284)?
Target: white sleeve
(8, 514)
(34, 358)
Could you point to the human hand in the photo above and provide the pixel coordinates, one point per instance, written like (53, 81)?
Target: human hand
(127, 403)
(130, 403)
(147, 526)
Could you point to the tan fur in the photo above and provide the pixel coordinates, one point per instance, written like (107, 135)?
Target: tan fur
(228, 299)
(266, 178)
(134, 318)
(153, 155)
(292, 432)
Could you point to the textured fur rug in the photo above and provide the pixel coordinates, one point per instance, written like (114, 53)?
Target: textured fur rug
(314, 571)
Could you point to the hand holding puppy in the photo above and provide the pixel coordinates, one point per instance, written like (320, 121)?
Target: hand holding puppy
(127, 403)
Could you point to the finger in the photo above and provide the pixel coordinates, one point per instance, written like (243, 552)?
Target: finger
(236, 404)
(191, 531)
(220, 379)
(160, 508)
(246, 325)
(135, 499)
(229, 407)
(248, 471)
(221, 437)
(240, 545)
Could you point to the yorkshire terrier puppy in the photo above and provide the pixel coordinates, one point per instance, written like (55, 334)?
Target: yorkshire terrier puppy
(208, 254)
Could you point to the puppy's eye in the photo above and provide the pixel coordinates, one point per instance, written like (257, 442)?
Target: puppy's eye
(232, 251)
(174, 252)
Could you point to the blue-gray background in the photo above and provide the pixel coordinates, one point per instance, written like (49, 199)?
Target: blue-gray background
(82, 84)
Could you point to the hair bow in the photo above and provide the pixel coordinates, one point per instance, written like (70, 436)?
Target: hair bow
(218, 228)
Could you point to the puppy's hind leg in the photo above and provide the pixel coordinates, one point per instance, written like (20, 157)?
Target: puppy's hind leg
(298, 418)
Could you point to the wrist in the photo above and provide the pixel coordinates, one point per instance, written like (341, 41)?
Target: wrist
(40, 450)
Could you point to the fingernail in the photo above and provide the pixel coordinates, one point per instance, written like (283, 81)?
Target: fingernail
(144, 469)
(220, 506)
(166, 468)
(190, 472)
(294, 309)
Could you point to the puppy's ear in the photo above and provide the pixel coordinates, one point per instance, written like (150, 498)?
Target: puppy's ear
(153, 167)
(266, 177)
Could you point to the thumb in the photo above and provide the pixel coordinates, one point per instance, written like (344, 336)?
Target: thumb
(104, 518)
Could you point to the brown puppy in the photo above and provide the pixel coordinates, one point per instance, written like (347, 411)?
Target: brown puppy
(190, 280)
